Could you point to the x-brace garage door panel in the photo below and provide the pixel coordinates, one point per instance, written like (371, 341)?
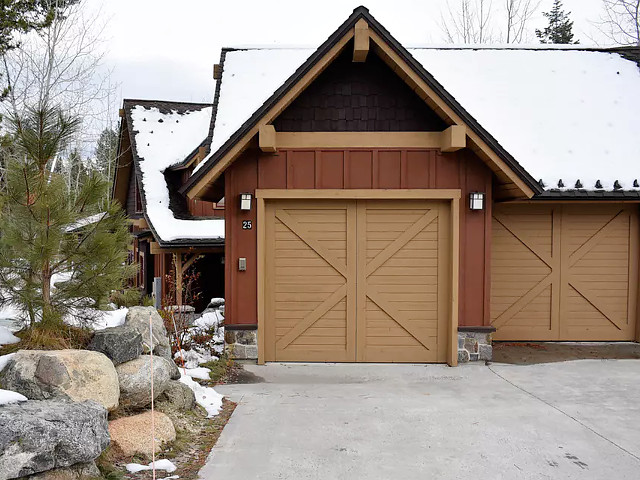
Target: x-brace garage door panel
(356, 280)
(564, 272)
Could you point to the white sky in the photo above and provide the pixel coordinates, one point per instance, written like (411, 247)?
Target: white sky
(160, 49)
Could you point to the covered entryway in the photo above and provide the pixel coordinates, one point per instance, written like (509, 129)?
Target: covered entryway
(362, 280)
(564, 272)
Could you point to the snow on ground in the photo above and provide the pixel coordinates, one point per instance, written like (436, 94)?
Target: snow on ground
(194, 358)
(201, 373)
(108, 319)
(206, 397)
(164, 464)
(4, 359)
(7, 397)
(209, 319)
(162, 140)
(562, 113)
(6, 337)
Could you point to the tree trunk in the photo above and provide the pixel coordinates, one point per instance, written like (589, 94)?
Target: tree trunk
(48, 313)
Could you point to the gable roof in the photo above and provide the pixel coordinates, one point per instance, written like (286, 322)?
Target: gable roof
(564, 113)
(225, 145)
(162, 135)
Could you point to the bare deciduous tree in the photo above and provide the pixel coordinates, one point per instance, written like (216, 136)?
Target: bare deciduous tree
(620, 22)
(467, 22)
(479, 21)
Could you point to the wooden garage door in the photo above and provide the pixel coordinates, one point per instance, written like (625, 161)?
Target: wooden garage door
(564, 272)
(356, 281)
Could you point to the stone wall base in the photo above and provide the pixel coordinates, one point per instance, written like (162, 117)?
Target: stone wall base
(241, 344)
(474, 346)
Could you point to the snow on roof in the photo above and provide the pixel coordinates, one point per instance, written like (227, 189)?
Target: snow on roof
(162, 140)
(564, 114)
(83, 222)
(250, 77)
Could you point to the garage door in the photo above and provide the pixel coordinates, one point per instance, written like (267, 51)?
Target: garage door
(356, 280)
(565, 272)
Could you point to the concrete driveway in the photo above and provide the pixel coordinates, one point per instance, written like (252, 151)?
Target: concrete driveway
(578, 419)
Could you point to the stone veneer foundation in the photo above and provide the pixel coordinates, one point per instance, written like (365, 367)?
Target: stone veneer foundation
(474, 343)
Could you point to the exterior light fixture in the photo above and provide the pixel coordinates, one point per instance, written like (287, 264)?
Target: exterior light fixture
(476, 201)
(245, 201)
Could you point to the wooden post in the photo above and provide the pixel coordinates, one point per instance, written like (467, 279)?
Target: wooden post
(177, 260)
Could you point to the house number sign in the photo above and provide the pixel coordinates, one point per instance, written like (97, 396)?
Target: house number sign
(247, 225)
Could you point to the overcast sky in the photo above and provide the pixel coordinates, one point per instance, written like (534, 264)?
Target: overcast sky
(160, 49)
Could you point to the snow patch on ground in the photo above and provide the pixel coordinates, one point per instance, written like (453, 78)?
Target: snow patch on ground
(194, 358)
(201, 373)
(6, 337)
(164, 464)
(162, 140)
(7, 397)
(109, 319)
(206, 397)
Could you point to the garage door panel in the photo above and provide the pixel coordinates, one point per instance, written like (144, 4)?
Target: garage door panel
(592, 274)
(386, 256)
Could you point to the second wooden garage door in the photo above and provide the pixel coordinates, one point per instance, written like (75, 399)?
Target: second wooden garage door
(357, 280)
(564, 272)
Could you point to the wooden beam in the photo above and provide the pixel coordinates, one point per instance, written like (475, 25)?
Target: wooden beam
(454, 138)
(217, 71)
(267, 138)
(156, 249)
(360, 41)
(139, 222)
(359, 139)
(188, 263)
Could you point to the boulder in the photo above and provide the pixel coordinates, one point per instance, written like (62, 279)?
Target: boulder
(79, 471)
(37, 436)
(76, 375)
(120, 344)
(135, 380)
(138, 318)
(178, 395)
(132, 434)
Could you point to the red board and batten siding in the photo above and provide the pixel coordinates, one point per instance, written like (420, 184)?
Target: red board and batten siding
(363, 169)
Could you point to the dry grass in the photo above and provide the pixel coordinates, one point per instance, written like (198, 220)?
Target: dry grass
(60, 337)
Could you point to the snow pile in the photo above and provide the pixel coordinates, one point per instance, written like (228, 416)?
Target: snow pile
(6, 337)
(162, 140)
(564, 113)
(250, 78)
(201, 373)
(206, 397)
(7, 397)
(164, 464)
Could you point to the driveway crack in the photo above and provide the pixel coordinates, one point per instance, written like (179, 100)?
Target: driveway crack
(620, 447)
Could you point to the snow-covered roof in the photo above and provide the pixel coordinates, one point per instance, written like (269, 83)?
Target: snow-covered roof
(163, 139)
(563, 113)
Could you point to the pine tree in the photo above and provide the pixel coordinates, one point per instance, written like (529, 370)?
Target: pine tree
(105, 153)
(48, 234)
(560, 26)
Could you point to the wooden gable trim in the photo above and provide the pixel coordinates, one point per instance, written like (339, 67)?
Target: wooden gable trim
(361, 41)
(425, 92)
(212, 175)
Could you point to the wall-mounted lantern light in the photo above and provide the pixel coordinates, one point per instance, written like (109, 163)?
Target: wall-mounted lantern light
(245, 201)
(476, 201)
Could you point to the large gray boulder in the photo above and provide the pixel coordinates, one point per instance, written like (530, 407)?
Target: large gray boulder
(75, 375)
(37, 436)
(138, 318)
(79, 471)
(178, 395)
(120, 344)
(135, 380)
